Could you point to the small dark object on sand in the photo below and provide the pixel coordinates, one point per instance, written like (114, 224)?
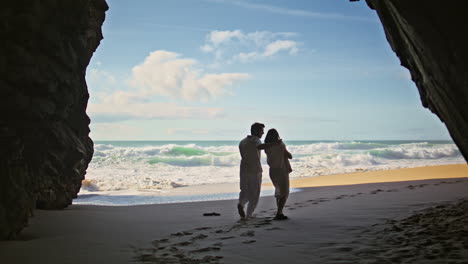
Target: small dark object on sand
(211, 214)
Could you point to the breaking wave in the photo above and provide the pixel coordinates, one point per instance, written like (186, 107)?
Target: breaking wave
(161, 166)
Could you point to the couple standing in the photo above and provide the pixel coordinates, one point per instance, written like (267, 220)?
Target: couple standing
(251, 169)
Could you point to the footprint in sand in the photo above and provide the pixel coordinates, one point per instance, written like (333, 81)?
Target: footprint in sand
(203, 228)
(263, 223)
(345, 249)
(443, 182)
(273, 228)
(198, 237)
(194, 249)
(211, 259)
(228, 237)
(180, 258)
(340, 197)
(155, 243)
(184, 243)
(184, 233)
(173, 249)
(206, 249)
(249, 233)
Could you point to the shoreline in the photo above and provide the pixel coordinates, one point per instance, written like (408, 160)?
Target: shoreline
(325, 222)
(227, 191)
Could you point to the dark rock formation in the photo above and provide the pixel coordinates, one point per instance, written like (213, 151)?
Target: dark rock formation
(431, 40)
(45, 48)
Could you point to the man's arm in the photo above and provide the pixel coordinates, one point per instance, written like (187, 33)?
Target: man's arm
(263, 146)
(267, 145)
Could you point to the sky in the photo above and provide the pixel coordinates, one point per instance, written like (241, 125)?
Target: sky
(208, 69)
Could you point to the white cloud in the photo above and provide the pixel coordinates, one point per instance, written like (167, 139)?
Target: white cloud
(100, 76)
(207, 48)
(100, 81)
(119, 111)
(217, 37)
(246, 57)
(231, 46)
(114, 131)
(280, 45)
(263, 38)
(164, 73)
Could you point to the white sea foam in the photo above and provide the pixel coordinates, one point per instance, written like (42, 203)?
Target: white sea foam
(158, 167)
(417, 152)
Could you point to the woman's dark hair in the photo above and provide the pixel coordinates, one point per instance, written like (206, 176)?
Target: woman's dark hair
(272, 136)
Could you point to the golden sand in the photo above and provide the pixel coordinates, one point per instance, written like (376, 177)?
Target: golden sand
(407, 174)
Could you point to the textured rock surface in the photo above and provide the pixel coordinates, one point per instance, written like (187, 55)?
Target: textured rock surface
(45, 48)
(431, 40)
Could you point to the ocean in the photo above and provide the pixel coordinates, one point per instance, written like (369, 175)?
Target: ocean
(148, 172)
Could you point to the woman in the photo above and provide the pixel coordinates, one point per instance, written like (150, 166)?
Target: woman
(277, 159)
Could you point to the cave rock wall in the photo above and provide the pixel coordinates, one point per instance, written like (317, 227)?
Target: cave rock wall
(45, 48)
(431, 40)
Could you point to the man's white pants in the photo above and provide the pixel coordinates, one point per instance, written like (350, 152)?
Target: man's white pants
(250, 184)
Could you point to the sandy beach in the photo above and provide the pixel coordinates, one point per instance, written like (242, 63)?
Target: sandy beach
(366, 217)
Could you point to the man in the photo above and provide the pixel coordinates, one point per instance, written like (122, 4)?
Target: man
(250, 170)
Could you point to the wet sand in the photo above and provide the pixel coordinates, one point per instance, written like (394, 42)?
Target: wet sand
(378, 222)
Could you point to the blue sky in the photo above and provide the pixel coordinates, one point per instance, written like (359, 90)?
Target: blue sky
(207, 69)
